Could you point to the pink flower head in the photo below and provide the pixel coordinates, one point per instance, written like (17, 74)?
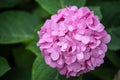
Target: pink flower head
(73, 41)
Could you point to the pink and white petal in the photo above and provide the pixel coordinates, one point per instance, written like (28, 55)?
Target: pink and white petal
(54, 56)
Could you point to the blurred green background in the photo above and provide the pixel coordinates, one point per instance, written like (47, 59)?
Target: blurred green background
(20, 20)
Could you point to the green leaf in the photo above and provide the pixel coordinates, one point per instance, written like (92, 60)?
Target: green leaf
(16, 26)
(32, 46)
(41, 71)
(18, 74)
(4, 67)
(103, 73)
(23, 58)
(110, 11)
(78, 3)
(8, 3)
(113, 11)
(115, 39)
(81, 77)
(62, 77)
(97, 11)
(114, 58)
(41, 13)
(22, 68)
(53, 6)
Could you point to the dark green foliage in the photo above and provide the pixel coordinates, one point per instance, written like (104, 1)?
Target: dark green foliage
(16, 26)
(4, 67)
(20, 58)
(53, 6)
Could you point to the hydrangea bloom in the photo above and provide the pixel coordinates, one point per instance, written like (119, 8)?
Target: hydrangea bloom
(73, 41)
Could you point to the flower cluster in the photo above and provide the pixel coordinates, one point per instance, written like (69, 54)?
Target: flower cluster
(73, 41)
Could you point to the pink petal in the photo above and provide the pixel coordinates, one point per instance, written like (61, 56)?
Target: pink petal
(60, 61)
(99, 27)
(64, 46)
(107, 38)
(80, 56)
(54, 55)
(63, 71)
(73, 8)
(78, 37)
(54, 33)
(70, 28)
(48, 60)
(70, 60)
(95, 44)
(85, 39)
(100, 52)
